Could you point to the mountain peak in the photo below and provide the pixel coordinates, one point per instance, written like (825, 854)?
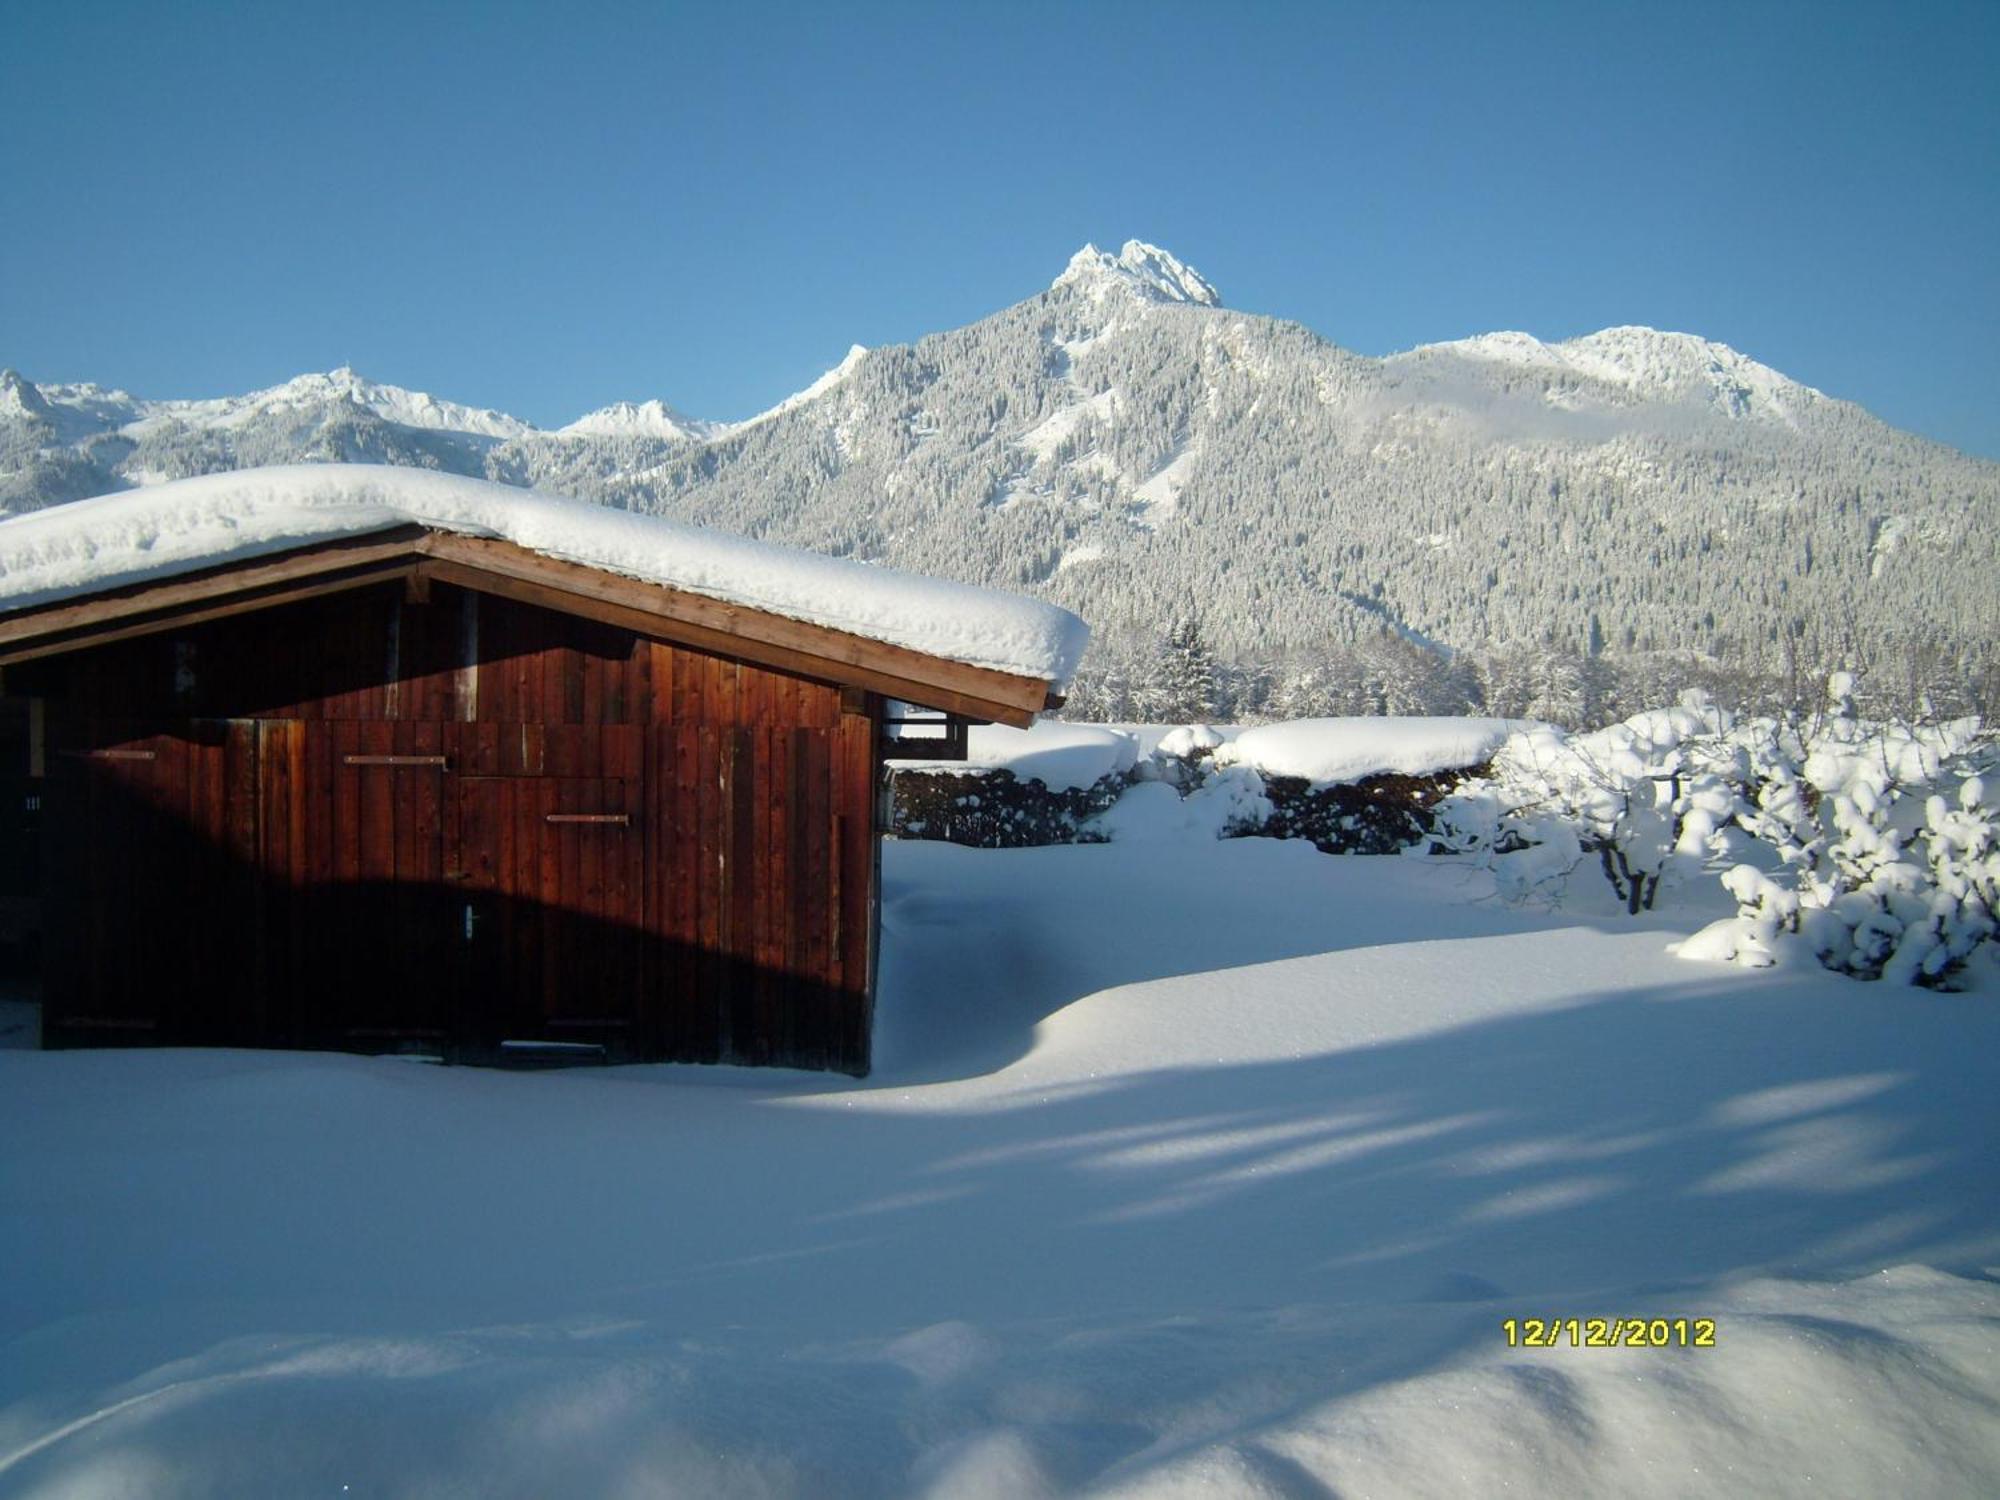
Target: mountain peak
(1650, 360)
(1138, 269)
(19, 396)
(392, 403)
(653, 419)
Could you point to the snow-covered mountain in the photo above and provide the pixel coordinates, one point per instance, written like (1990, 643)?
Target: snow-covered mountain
(847, 366)
(1651, 365)
(64, 441)
(653, 419)
(1138, 269)
(1124, 445)
(342, 387)
(87, 410)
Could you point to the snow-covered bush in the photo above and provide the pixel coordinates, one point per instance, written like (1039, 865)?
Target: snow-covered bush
(1182, 790)
(1962, 844)
(1181, 756)
(1644, 800)
(1221, 802)
(1870, 847)
(1881, 845)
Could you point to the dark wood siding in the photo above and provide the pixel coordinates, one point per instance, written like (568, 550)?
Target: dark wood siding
(369, 822)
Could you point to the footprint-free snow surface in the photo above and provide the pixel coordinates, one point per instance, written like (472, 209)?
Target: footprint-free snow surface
(1210, 1171)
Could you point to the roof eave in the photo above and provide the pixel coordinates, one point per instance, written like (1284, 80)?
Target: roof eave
(505, 569)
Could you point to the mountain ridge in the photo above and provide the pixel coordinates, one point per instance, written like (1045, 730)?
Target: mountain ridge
(1123, 444)
(1140, 269)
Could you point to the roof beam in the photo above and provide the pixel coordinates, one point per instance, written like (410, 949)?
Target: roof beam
(127, 627)
(210, 593)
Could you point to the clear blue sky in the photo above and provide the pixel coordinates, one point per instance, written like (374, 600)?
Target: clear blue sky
(546, 209)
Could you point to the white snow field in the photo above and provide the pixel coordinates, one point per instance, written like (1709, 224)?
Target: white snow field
(1193, 1170)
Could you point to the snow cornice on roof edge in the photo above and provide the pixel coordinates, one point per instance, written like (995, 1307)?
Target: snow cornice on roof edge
(90, 547)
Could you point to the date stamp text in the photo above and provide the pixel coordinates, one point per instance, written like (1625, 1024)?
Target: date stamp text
(1609, 1333)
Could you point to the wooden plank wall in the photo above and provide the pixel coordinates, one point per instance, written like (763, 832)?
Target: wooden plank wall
(259, 835)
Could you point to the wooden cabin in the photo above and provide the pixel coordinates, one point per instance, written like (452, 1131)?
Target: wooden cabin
(413, 789)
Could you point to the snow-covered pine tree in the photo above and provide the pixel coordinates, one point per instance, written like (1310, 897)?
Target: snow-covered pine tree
(1183, 688)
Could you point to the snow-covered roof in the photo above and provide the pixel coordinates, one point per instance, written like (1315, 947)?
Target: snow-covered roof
(88, 546)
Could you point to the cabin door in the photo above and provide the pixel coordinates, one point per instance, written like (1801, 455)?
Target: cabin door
(125, 864)
(373, 974)
(551, 900)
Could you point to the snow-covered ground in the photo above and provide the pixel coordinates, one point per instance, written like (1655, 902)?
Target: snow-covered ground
(1208, 1170)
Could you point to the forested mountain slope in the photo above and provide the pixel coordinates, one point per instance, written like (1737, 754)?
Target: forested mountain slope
(1123, 445)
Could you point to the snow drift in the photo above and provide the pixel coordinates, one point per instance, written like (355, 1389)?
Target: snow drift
(1196, 1171)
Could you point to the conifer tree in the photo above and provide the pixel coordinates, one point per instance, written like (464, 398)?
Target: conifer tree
(1183, 688)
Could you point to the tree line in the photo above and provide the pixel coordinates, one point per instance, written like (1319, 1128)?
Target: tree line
(1175, 676)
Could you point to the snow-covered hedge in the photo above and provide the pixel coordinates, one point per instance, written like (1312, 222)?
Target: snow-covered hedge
(991, 807)
(1350, 786)
(1016, 788)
